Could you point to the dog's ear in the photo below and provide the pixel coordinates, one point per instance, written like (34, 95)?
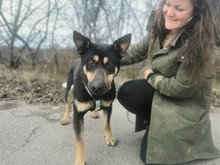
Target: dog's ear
(82, 43)
(122, 44)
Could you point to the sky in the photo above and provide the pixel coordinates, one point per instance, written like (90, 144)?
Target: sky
(67, 21)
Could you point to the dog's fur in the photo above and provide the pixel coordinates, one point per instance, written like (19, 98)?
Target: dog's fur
(93, 79)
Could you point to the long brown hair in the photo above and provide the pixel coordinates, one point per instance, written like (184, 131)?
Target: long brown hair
(202, 31)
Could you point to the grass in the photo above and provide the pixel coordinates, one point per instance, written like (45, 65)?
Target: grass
(48, 71)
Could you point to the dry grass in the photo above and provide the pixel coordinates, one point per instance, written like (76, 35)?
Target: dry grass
(48, 71)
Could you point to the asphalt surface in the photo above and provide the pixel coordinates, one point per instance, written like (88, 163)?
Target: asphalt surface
(32, 135)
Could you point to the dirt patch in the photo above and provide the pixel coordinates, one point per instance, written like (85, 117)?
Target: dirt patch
(51, 92)
(32, 92)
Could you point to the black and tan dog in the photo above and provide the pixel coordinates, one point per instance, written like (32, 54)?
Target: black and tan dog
(93, 80)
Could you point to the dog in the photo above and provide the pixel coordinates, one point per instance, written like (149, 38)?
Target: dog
(93, 79)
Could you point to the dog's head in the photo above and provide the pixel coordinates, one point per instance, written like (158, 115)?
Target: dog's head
(101, 62)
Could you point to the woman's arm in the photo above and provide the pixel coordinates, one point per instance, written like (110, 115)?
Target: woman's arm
(178, 86)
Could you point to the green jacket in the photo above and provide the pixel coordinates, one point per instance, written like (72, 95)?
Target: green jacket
(180, 128)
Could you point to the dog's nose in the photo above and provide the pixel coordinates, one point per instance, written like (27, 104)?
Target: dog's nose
(98, 85)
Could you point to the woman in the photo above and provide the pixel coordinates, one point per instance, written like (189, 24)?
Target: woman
(172, 102)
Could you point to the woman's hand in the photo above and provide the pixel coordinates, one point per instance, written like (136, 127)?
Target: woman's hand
(146, 72)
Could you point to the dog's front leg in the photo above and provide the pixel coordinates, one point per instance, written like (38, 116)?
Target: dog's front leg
(78, 125)
(66, 116)
(110, 139)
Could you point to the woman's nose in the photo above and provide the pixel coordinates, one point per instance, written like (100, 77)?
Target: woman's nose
(170, 11)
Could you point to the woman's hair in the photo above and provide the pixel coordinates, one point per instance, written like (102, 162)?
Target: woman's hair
(202, 32)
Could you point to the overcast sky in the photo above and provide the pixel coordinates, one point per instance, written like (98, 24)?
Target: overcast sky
(63, 32)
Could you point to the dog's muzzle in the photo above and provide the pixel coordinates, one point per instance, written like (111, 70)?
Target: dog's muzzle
(98, 87)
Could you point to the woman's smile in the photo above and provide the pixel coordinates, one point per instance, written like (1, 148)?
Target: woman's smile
(177, 14)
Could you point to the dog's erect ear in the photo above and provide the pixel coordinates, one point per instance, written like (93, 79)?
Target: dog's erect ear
(122, 44)
(82, 43)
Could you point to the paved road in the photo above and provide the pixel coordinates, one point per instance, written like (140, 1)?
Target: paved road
(32, 135)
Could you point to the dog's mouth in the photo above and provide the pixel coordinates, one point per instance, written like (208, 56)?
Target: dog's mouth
(98, 91)
(98, 88)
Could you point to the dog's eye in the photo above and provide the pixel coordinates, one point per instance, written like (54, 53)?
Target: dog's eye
(109, 64)
(91, 62)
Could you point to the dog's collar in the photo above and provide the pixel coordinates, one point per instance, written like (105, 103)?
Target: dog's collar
(87, 89)
(97, 102)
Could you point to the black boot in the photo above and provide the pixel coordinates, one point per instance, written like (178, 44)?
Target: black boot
(143, 151)
(141, 123)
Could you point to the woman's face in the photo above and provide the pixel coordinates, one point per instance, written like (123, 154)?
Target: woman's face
(177, 13)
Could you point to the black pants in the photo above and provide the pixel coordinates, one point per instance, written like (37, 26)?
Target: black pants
(136, 96)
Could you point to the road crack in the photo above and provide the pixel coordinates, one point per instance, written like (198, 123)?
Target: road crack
(30, 138)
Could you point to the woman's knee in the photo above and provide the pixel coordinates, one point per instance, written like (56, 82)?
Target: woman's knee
(124, 92)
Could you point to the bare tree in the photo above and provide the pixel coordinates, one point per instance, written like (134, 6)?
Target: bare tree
(18, 16)
(106, 20)
(29, 25)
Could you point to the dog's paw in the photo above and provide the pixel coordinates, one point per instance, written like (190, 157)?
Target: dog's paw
(64, 121)
(95, 114)
(80, 163)
(111, 141)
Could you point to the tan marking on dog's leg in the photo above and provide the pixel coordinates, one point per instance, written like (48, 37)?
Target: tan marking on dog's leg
(95, 114)
(66, 116)
(80, 152)
(109, 138)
